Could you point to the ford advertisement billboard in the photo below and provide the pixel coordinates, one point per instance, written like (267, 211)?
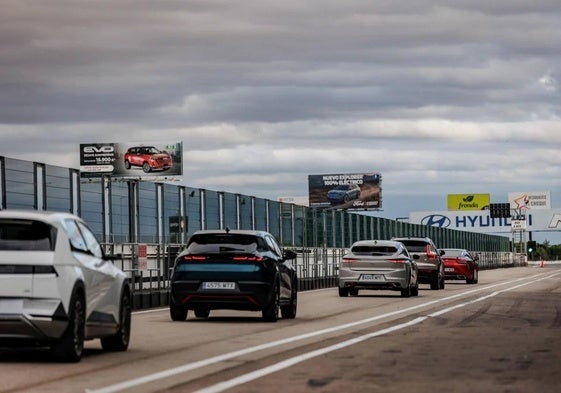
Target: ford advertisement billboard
(358, 191)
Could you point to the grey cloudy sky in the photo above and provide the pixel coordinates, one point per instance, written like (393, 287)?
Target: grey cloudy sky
(441, 97)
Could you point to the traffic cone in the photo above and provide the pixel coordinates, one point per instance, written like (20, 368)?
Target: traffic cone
(542, 264)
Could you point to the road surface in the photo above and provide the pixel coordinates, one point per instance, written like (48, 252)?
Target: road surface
(501, 335)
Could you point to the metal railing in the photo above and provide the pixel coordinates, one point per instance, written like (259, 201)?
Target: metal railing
(315, 267)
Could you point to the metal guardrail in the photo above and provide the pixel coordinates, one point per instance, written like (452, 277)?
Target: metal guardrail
(315, 267)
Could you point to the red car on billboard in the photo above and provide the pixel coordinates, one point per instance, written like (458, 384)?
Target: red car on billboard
(147, 157)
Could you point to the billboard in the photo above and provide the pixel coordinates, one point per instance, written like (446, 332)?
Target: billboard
(540, 220)
(529, 200)
(131, 159)
(468, 201)
(358, 191)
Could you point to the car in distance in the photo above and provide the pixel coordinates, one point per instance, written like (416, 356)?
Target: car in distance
(343, 193)
(460, 264)
(57, 286)
(234, 270)
(147, 157)
(431, 266)
(378, 264)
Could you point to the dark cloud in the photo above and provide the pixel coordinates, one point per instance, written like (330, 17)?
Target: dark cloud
(442, 97)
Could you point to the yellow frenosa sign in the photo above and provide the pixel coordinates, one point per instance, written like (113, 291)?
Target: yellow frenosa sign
(468, 201)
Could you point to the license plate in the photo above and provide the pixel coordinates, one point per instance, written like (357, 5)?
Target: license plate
(372, 277)
(219, 285)
(449, 269)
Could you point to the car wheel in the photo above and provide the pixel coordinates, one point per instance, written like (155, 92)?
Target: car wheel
(271, 311)
(406, 292)
(127, 164)
(202, 313)
(289, 311)
(442, 283)
(435, 282)
(415, 290)
(146, 167)
(120, 340)
(71, 345)
(177, 313)
(343, 292)
(476, 279)
(473, 279)
(353, 292)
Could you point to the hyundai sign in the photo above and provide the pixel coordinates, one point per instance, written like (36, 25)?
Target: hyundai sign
(480, 221)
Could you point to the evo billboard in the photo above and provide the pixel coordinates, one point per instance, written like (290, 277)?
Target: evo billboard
(135, 160)
(468, 201)
(358, 191)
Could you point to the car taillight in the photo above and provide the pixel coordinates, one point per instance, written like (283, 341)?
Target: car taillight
(398, 261)
(195, 258)
(430, 253)
(250, 258)
(461, 260)
(348, 261)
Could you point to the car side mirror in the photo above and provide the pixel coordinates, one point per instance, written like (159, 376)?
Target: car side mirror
(288, 254)
(113, 257)
(442, 252)
(416, 256)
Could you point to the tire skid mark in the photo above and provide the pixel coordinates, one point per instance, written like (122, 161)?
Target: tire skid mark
(466, 322)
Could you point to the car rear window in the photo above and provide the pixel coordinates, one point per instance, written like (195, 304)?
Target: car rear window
(374, 250)
(26, 235)
(414, 245)
(226, 242)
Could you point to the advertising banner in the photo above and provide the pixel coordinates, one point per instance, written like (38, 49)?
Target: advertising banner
(360, 191)
(131, 159)
(529, 200)
(468, 201)
(540, 220)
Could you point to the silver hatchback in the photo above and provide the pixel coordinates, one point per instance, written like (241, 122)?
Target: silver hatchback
(378, 264)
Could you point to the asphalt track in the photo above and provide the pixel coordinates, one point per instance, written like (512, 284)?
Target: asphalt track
(501, 335)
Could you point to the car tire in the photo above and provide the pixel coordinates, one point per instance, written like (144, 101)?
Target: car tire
(120, 341)
(177, 313)
(476, 276)
(202, 313)
(343, 292)
(415, 290)
(146, 167)
(442, 283)
(71, 345)
(271, 310)
(435, 282)
(127, 164)
(406, 292)
(289, 311)
(353, 291)
(473, 279)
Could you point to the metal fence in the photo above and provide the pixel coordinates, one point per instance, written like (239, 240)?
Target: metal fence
(316, 268)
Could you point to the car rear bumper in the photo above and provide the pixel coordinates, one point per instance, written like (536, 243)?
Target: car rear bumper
(248, 295)
(31, 319)
(392, 280)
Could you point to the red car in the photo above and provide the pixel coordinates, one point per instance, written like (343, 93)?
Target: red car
(459, 264)
(147, 157)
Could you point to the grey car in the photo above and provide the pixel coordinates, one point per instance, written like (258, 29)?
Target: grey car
(431, 266)
(344, 193)
(378, 264)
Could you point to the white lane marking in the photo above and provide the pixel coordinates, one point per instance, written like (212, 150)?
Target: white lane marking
(228, 356)
(240, 380)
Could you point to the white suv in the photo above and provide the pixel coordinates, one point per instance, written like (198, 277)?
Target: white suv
(57, 288)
